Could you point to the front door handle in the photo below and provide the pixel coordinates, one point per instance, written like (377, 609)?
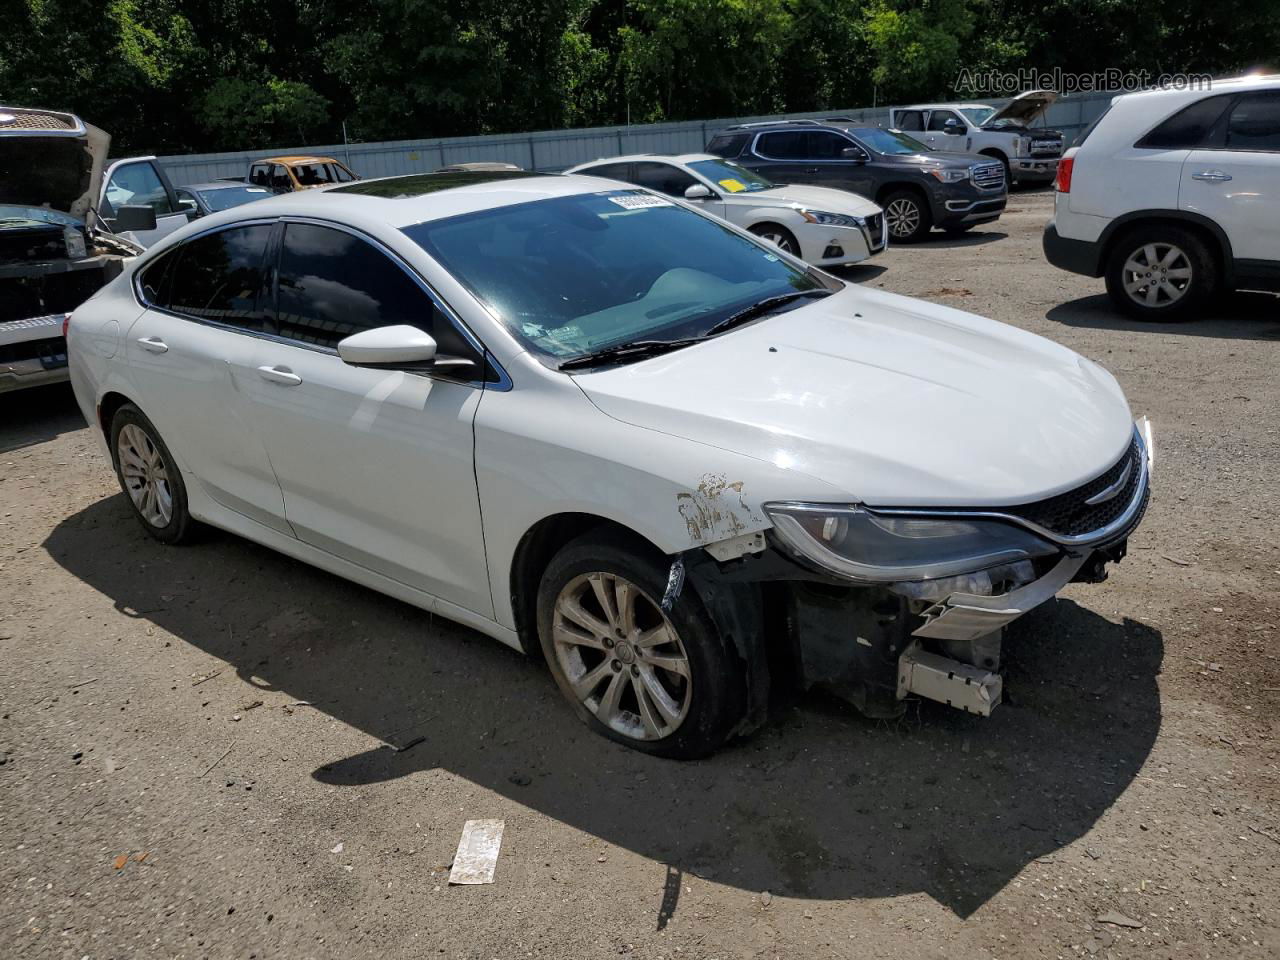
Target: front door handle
(153, 345)
(281, 375)
(1213, 176)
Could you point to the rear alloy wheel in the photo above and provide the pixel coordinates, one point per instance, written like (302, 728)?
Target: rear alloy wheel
(659, 681)
(907, 217)
(149, 476)
(778, 236)
(1160, 274)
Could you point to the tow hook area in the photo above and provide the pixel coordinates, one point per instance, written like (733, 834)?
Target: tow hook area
(968, 688)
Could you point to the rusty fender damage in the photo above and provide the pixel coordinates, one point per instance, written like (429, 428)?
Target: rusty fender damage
(871, 645)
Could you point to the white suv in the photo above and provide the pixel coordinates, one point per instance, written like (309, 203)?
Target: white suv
(1172, 196)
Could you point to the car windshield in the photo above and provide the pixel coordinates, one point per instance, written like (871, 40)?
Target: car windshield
(224, 198)
(977, 115)
(893, 143)
(731, 177)
(572, 275)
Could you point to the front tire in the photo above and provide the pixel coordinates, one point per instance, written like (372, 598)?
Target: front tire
(150, 477)
(779, 236)
(907, 215)
(662, 682)
(1161, 274)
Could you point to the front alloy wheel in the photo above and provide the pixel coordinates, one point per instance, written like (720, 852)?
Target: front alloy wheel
(779, 237)
(622, 657)
(661, 681)
(906, 216)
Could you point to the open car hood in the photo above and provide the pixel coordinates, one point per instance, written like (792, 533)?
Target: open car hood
(51, 160)
(1024, 108)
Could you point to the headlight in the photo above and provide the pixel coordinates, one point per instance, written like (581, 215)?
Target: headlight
(950, 176)
(831, 219)
(852, 542)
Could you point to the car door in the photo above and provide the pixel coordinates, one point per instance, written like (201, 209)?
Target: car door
(826, 149)
(375, 464)
(909, 121)
(205, 304)
(782, 156)
(1235, 182)
(140, 182)
(935, 132)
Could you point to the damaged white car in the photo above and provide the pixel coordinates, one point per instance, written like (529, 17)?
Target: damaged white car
(54, 249)
(614, 432)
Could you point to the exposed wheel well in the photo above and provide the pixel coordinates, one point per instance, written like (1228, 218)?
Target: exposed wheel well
(1205, 235)
(994, 154)
(107, 408)
(770, 225)
(540, 543)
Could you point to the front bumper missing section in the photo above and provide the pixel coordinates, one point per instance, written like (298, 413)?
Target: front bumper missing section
(959, 685)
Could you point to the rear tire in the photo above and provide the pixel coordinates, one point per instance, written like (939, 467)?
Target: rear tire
(661, 682)
(150, 477)
(907, 215)
(1161, 273)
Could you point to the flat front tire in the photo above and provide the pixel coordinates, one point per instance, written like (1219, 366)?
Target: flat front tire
(659, 681)
(149, 477)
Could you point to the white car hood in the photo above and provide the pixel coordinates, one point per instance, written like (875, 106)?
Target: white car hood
(908, 404)
(811, 198)
(1025, 107)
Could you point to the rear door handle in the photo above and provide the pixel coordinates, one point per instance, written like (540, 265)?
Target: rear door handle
(281, 375)
(1213, 176)
(153, 345)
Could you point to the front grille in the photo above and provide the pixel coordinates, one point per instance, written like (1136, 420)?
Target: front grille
(875, 230)
(12, 119)
(988, 175)
(1046, 148)
(1069, 515)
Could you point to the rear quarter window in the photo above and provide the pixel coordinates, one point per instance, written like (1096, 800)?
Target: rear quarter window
(727, 145)
(1190, 127)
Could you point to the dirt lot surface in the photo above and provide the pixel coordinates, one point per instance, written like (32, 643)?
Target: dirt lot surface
(196, 760)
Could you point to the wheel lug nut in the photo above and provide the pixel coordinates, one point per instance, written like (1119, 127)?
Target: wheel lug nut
(608, 642)
(635, 671)
(616, 665)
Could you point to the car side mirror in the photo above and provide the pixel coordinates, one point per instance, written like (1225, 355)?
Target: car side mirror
(132, 217)
(699, 191)
(952, 128)
(397, 346)
(189, 208)
(853, 153)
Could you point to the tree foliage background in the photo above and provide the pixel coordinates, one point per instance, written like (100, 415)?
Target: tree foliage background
(194, 75)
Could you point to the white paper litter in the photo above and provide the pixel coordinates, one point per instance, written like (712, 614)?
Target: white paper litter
(477, 855)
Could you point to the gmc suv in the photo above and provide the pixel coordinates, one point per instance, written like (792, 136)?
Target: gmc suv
(1172, 195)
(918, 188)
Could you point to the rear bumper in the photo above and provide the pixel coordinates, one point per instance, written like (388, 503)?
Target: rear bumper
(1041, 169)
(1077, 256)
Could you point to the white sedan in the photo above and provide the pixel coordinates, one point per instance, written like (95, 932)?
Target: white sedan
(820, 225)
(615, 433)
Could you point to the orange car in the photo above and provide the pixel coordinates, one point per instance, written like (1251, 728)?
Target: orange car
(287, 174)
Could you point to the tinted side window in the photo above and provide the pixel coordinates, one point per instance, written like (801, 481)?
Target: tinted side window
(333, 284)
(663, 177)
(1254, 123)
(1187, 128)
(611, 171)
(727, 145)
(784, 145)
(220, 277)
(260, 175)
(153, 281)
(826, 146)
(910, 120)
(938, 119)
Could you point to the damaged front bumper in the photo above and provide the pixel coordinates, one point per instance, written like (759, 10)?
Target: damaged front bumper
(878, 642)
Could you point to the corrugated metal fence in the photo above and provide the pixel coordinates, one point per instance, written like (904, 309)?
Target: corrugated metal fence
(554, 150)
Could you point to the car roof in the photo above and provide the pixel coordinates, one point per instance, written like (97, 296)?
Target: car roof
(289, 160)
(671, 157)
(403, 201)
(1253, 81)
(946, 106)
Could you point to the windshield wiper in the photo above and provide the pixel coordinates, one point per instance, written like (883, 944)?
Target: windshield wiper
(635, 350)
(766, 305)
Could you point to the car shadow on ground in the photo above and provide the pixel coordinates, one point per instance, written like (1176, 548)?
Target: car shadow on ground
(942, 240)
(818, 804)
(1238, 316)
(37, 414)
(858, 272)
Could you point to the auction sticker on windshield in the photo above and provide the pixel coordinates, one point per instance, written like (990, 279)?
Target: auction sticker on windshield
(732, 185)
(634, 201)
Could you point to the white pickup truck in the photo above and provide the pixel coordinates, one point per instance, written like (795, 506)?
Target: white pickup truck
(1030, 154)
(68, 224)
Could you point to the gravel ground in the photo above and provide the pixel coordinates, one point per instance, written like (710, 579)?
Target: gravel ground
(196, 760)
